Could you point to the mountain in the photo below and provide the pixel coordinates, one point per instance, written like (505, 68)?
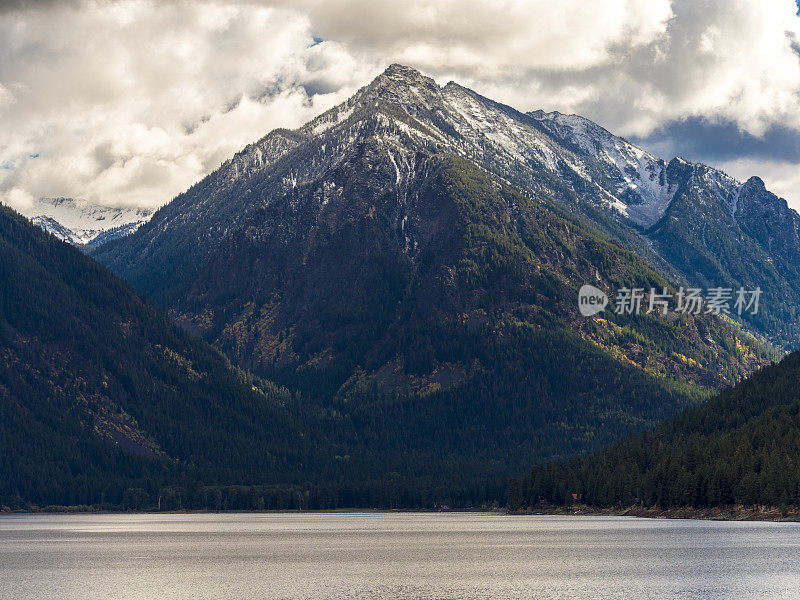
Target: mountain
(80, 222)
(709, 228)
(718, 232)
(114, 233)
(411, 260)
(685, 220)
(100, 393)
(740, 448)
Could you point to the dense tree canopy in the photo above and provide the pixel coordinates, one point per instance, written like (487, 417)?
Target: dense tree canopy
(740, 448)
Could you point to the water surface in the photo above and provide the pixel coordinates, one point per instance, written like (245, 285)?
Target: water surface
(393, 556)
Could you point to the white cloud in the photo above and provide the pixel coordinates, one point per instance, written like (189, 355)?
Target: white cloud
(491, 38)
(131, 102)
(19, 198)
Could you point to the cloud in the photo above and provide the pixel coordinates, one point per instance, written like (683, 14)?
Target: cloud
(633, 64)
(491, 39)
(16, 5)
(699, 139)
(130, 102)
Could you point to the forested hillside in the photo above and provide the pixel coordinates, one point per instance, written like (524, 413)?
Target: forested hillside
(100, 392)
(741, 448)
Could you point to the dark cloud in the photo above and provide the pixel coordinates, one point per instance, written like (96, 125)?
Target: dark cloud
(721, 141)
(18, 5)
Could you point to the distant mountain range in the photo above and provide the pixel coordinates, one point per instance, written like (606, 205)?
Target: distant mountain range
(83, 223)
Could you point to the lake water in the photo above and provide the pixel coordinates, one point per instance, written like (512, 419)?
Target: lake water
(396, 556)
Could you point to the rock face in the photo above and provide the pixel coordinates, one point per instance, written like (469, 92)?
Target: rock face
(82, 223)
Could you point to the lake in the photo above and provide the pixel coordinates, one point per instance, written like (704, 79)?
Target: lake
(398, 556)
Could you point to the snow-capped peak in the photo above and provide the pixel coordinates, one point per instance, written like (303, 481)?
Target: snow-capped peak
(407, 112)
(80, 221)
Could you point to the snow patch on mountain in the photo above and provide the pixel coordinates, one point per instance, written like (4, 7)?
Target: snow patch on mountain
(643, 189)
(509, 136)
(329, 119)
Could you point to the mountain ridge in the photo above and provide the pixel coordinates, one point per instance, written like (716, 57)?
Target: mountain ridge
(420, 93)
(100, 392)
(523, 148)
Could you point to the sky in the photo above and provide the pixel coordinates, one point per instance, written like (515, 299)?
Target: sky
(129, 103)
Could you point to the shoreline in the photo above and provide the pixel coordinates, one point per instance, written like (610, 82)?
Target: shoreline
(735, 513)
(732, 513)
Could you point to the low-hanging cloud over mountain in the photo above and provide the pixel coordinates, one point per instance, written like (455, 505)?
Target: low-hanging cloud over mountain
(131, 102)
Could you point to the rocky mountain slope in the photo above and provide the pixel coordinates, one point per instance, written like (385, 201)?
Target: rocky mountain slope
(620, 190)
